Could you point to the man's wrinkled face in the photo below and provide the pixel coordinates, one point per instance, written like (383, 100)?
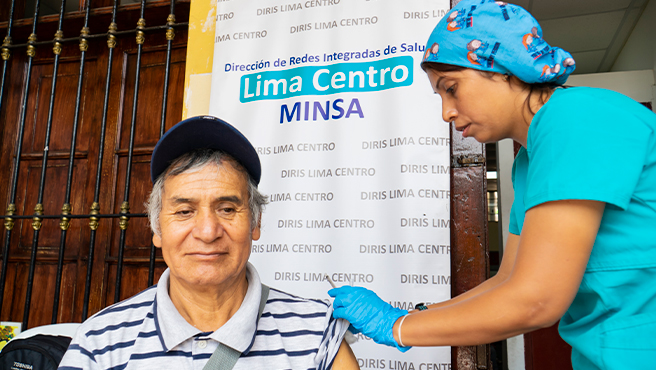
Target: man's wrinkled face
(205, 226)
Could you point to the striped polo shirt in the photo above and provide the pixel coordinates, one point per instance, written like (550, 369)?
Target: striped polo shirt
(147, 332)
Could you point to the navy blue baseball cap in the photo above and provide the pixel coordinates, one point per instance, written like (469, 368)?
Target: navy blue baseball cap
(204, 132)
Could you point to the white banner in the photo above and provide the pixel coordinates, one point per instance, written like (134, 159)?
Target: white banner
(354, 152)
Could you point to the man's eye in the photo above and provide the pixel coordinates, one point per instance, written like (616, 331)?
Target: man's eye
(183, 212)
(228, 210)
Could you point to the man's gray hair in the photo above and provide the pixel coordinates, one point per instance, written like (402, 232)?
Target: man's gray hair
(193, 161)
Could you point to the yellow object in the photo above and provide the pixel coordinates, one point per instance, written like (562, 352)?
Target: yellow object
(200, 52)
(7, 332)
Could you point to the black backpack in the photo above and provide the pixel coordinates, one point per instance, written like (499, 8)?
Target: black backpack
(39, 352)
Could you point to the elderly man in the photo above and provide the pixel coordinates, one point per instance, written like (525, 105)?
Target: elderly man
(209, 309)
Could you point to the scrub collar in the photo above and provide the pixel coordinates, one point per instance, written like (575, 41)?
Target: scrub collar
(498, 37)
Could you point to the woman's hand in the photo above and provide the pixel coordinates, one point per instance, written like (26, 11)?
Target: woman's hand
(367, 313)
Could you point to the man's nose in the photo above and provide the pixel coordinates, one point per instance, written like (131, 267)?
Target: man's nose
(208, 226)
(449, 112)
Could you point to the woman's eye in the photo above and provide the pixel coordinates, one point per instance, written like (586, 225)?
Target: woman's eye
(451, 89)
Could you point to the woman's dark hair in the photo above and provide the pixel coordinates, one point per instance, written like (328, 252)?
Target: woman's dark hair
(542, 90)
(441, 67)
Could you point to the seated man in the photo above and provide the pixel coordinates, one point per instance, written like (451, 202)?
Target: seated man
(205, 210)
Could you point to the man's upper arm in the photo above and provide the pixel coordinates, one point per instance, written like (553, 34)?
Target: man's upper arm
(345, 359)
(76, 358)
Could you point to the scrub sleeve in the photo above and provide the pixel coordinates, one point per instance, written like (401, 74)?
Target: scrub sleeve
(595, 144)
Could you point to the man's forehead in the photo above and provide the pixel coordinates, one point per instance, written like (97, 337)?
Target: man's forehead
(177, 185)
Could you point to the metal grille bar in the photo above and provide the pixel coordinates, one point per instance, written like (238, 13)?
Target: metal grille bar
(6, 54)
(99, 35)
(95, 206)
(11, 208)
(9, 222)
(38, 209)
(66, 208)
(125, 206)
(89, 215)
(170, 35)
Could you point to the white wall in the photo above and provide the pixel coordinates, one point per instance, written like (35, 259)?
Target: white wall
(638, 85)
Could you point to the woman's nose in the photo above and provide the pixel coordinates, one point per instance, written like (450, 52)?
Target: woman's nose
(449, 112)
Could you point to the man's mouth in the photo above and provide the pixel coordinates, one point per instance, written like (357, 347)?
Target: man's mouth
(207, 255)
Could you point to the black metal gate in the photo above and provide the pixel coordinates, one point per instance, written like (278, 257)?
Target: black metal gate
(14, 118)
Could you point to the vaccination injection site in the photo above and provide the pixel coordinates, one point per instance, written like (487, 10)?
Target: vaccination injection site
(328, 184)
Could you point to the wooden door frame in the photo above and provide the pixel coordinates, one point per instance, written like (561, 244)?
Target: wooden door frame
(469, 234)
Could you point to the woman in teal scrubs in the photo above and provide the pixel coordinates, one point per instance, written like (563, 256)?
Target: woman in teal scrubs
(582, 244)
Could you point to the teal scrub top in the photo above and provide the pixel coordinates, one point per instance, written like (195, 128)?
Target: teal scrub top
(595, 144)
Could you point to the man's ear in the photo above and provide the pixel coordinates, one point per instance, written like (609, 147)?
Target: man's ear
(255, 235)
(157, 241)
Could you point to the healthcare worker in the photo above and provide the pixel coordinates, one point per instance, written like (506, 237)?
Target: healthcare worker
(582, 244)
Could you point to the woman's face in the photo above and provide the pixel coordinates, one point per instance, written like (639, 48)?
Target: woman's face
(488, 109)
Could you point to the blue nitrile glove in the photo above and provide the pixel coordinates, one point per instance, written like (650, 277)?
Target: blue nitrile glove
(367, 313)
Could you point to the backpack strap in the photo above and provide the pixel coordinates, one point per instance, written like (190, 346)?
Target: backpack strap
(224, 357)
(263, 301)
